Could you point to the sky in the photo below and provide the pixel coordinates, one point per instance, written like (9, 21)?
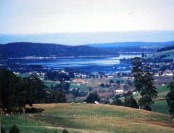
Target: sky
(77, 16)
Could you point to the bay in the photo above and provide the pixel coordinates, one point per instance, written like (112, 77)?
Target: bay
(89, 64)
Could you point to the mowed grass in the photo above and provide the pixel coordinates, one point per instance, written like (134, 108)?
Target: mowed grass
(84, 118)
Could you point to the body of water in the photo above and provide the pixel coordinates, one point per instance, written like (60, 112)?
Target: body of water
(90, 64)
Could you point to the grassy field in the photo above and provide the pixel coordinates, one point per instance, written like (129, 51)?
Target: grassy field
(161, 107)
(88, 118)
(25, 124)
(160, 104)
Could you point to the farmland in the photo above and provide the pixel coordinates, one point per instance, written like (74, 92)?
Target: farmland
(83, 118)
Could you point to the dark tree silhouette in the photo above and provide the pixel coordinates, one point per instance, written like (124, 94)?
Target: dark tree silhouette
(92, 97)
(65, 131)
(16, 92)
(60, 96)
(130, 101)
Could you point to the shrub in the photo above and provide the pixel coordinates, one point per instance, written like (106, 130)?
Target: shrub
(92, 97)
(148, 108)
(65, 131)
(117, 101)
(131, 102)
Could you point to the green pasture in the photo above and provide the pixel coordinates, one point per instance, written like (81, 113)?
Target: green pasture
(90, 118)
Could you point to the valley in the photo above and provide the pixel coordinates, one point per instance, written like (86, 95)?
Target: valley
(75, 78)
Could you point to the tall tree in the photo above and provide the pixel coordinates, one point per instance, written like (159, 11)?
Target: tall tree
(38, 89)
(137, 73)
(170, 98)
(143, 82)
(8, 90)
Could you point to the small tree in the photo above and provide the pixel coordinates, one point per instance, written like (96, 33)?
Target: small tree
(14, 129)
(137, 73)
(65, 131)
(111, 81)
(60, 96)
(144, 103)
(130, 101)
(102, 85)
(117, 101)
(118, 82)
(92, 97)
(170, 98)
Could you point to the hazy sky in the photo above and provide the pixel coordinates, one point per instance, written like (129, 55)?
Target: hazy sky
(57, 16)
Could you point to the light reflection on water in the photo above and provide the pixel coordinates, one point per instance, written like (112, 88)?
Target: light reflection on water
(108, 64)
(65, 62)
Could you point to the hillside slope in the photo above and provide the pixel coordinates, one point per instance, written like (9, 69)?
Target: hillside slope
(23, 49)
(87, 118)
(167, 54)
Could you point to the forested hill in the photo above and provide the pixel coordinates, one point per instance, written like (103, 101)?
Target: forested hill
(24, 49)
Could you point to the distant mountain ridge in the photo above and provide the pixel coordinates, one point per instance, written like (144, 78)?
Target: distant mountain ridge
(133, 44)
(90, 37)
(24, 49)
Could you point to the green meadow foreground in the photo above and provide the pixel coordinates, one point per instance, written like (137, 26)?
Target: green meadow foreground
(88, 118)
